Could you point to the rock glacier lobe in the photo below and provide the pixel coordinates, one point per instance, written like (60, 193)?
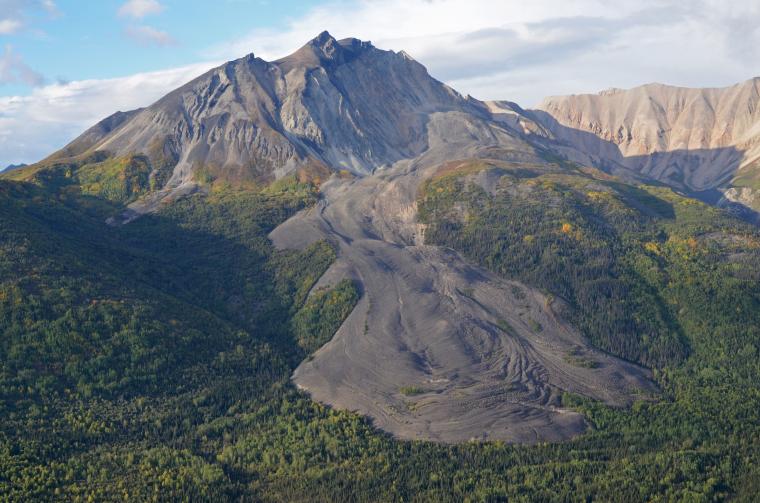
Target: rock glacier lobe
(437, 349)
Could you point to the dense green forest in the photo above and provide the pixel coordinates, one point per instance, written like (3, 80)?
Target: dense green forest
(151, 362)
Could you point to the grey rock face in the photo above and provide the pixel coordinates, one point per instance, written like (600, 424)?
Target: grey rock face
(95, 135)
(340, 104)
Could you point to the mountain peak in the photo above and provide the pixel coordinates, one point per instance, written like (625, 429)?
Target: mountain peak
(325, 45)
(324, 50)
(332, 104)
(323, 40)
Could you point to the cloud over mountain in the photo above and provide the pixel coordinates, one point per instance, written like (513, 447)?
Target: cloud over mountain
(13, 69)
(51, 115)
(147, 35)
(138, 9)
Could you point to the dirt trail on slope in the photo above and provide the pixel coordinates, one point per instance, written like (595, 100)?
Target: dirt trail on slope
(437, 349)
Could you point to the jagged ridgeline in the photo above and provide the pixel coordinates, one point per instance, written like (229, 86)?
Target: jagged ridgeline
(332, 278)
(330, 105)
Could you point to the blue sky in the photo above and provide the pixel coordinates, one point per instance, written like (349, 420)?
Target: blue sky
(77, 40)
(65, 64)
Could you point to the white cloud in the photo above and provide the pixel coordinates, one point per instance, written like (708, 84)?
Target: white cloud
(34, 126)
(522, 51)
(147, 35)
(9, 26)
(13, 69)
(138, 9)
(50, 7)
(13, 13)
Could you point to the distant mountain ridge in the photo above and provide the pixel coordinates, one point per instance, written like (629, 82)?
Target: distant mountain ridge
(12, 167)
(692, 139)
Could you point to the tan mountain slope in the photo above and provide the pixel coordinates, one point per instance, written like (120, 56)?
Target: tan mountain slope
(692, 139)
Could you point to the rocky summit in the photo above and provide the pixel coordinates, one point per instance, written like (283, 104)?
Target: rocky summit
(331, 104)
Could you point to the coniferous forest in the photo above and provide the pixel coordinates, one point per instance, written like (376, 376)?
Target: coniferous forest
(151, 361)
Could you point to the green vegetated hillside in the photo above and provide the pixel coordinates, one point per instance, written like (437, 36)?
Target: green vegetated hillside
(151, 362)
(650, 276)
(97, 174)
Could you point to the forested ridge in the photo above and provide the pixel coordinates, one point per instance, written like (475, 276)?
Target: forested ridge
(151, 362)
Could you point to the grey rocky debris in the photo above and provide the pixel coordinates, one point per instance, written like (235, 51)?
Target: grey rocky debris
(438, 349)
